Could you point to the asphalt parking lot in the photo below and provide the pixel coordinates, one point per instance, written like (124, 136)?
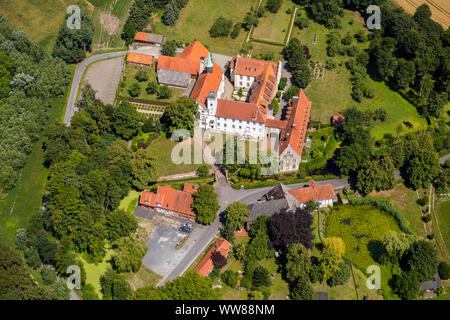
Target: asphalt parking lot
(162, 256)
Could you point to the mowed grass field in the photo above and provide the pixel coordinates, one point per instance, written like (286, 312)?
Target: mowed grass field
(39, 19)
(109, 18)
(198, 16)
(25, 199)
(274, 26)
(442, 218)
(362, 227)
(440, 9)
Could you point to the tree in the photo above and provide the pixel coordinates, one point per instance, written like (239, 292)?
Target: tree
(236, 30)
(220, 28)
(180, 114)
(444, 270)
(288, 227)
(164, 92)
(341, 276)
(219, 260)
(396, 244)
(60, 291)
(239, 251)
(114, 286)
(302, 290)
(297, 261)
(422, 258)
(134, 90)
(128, 254)
(311, 206)
(119, 224)
(378, 174)
(170, 16)
(236, 215)
(274, 5)
(407, 285)
(152, 87)
(331, 256)
(250, 21)
(143, 168)
(48, 275)
(261, 277)
(325, 12)
(169, 47)
(125, 120)
(88, 292)
(141, 75)
(301, 22)
(189, 286)
(205, 204)
(404, 74)
(230, 278)
(203, 170)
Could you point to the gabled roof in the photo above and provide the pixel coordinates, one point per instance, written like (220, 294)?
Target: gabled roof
(176, 64)
(140, 58)
(189, 187)
(168, 199)
(264, 88)
(251, 67)
(239, 110)
(297, 122)
(337, 119)
(195, 52)
(313, 193)
(206, 83)
(149, 37)
(206, 265)
(272, 123)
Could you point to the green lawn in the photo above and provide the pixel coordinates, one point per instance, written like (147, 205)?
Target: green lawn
(362, 227)
(198, 16)
(162, 149)
(442, 213)
(129, 202)
(405, 200)
(280, 286)
(144, 277)
(95, 271)
(25, 199)
(129, 76)
(109, 17)
(39, 19)
(274, 26)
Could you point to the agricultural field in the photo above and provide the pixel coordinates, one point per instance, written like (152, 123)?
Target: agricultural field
(39, 19)
(440, 9)
(362, 227)
(442, 219)
(274, 26)
(109, 17)
(198, 16)
(129, 79)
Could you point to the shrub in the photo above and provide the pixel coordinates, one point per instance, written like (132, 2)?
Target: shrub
(282, 84)
(203, 170)
(273, 5)
(220, 28)
(230, 278)
(427, 218)
(48, 275)
(152, 87)
(444, 270)
(164, 92)
(141, 75)
(340, 277)
(134, 90)
(423, 201)
(236, 30)
(261, 277)
(169, 48)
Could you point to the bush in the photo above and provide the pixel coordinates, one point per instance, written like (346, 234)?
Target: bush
(444, 270)
(261, 277)
(282, 84)
(360, 36)
(141, 75)
(423, 201)
(273, 5)
(203, 170)
(427, 218)
(220, 28)
(301, 22)
(230, 278)
(152, 87)
(340, 277)
(236, 30)
(134, 90)
(164, 92)
(48, 275)
(169, 48)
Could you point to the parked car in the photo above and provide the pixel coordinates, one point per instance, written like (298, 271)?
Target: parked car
(186, 228)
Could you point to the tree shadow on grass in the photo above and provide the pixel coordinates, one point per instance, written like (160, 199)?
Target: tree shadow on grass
(376, 249)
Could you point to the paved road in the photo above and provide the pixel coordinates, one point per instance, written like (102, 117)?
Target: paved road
(76, 82)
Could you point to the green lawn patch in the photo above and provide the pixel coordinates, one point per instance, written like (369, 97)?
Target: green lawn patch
(129, 202)
(95, 271)
(274, 26)
(362, 227)
(162, 150)
(443, 217)
(198, 16)
(280, 286)
(144, 277)
(129, 76)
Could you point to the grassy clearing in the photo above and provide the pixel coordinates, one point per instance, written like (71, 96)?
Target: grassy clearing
(443, 217)
(109, 17)
(274, 26)
(39, 19)
(129, 202)
(130, 74)
(362, 228)
(198, 16)
(95, 271)
(144, 277)
(21, 202)
(406, 201)
(280, 286)
(162, 148)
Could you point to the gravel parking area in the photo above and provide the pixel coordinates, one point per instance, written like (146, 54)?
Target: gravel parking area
(104, 77)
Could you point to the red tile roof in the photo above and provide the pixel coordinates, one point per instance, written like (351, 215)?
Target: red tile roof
(272, 123)
(337, 119)
(176, 64)
(168, 199)
(264, 88)
(194, 53)
(251, 67)
(206, 83)
(313, 193)
(149, 37)
(239, 110)
(206, 265)
(140, 58)
(189, 187)
(295, 131)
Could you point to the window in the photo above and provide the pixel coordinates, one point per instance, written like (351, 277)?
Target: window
(232, 126)
(248, 84)
(240, 83)
(225, 125)
(240, 127)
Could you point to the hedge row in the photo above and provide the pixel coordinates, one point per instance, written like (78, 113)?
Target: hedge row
(386, 206)
(268, 42)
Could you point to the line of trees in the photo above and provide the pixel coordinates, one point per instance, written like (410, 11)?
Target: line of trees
(138, 18)
(172, 11)
(297, 57)
(30, 80)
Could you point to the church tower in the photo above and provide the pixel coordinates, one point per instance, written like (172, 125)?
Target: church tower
(209, 65)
